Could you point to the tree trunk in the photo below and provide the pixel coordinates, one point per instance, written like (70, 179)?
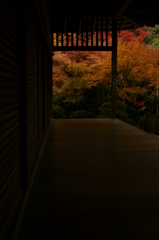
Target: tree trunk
(103, 90)
(124, 94)
(98, 92)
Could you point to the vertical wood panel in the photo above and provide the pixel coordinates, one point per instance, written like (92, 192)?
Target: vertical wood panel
(31, 87)
(50, 71)
(35, 82)
(41, 101)
(46, 88)
(50, 86)
(36, 91)
(48, 92)
(23, 54)
(21, 103)
(43, 83)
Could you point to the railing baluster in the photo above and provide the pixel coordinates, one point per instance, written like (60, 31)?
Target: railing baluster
(66, 33)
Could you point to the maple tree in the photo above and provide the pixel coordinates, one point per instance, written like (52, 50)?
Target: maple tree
(91, 75)
(137, 63)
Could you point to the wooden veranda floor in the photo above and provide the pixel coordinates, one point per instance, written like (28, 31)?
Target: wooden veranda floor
(97, 179)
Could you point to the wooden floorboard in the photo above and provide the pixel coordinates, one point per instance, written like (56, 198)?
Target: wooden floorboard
(97, 179)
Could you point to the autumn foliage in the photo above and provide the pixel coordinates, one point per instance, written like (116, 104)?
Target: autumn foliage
(137, 79)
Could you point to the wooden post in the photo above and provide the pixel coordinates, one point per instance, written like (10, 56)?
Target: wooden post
(157, 99)
(114, 68)
(82, 31)
(50, 67)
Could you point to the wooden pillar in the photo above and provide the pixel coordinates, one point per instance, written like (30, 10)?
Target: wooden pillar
(51, 62)
(114, 69)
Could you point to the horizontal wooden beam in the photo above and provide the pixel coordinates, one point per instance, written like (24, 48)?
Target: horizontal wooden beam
(82, 48)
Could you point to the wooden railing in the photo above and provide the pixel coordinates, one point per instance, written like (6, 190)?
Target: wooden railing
(79, 33)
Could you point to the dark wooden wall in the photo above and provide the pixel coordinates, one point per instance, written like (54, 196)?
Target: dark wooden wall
(25, 104)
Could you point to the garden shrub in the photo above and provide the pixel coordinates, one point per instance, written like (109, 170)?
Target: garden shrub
(149, 123)
(133, 115)
(58, 112)
(152, 123)
(121, 110)
(82, 114)
(105, 110)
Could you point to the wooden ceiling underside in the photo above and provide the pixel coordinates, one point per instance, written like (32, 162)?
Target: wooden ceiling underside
(129, 14)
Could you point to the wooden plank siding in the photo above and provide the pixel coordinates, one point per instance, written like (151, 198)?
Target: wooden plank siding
(10, 138)
(97, 179)
(39, 94)
(22, 109)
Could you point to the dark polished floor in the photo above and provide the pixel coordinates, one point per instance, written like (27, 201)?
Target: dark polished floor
(97, 179)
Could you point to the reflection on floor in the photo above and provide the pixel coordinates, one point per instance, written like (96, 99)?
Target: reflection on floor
(97, 179)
